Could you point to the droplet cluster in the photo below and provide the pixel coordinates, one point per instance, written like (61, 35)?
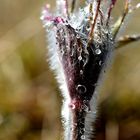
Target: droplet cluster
(82, 42)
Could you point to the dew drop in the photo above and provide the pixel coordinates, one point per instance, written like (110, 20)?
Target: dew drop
(66, 23)
(80, 58)
(42, 17)
(90, 14)
(100, 63)
(61, 30)
(67, 46)
(84, 43)
(87, 109)
(94, 112)
(81, 72)
(78, 36)
(98, 51)
(97, 46)
(79, 49)
(78, 29)
(81, 89)
(82, 107)
(71, 129)
(75, 124)
(48, 26)
(88, 28)
(62, 51)
(63, 121)
(85, 101)
(106, 31)
(70, 79)
(72, 106)
(72, 52)
(83, 137)
(85, 60)
(99, 40)
(91, 129)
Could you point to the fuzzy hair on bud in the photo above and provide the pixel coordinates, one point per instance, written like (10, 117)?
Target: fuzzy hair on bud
(80, 47)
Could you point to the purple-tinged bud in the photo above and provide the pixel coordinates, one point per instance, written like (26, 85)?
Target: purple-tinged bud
(79, 61)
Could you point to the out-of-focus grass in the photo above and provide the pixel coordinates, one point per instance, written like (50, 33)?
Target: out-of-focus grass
(29, 106)
(29, 97)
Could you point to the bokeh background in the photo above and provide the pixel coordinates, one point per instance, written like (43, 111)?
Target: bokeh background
(30, 100)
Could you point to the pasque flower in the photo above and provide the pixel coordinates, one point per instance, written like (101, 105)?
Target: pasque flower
(81, 43)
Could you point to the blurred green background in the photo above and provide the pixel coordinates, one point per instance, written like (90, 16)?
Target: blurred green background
(30, 101)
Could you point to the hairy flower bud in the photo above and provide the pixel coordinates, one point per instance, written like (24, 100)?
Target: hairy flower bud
(81, 45)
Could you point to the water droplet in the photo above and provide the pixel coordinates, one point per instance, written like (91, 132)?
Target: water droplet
(83, 137)
(78, 36)
(81, 72)
(97, 46)
(66, 23)
(105, 31)
(70, 79)
(42, 17)
(62, 51)
(61, 30)
(82, 106)
(72, 106)
(71, 128)
(63, 121)
(90, 14)
(87, 109)
(85, 101)
(78, 29)
(48, 25)
(88, 28)
(72, 52)
(79, 49)
(99, 40)
(85, 59)
(100, 63)
(94, 112)
(98, 51)
(67, 46)
(75, 124)
(81, 89)
(91, 129)
(84, 43)
(80, 58)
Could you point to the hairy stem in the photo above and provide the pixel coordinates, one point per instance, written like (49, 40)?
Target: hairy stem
(78, 125)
